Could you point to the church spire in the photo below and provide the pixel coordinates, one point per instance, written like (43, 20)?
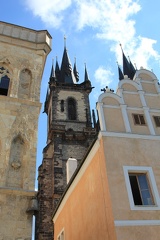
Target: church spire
(52, 75)
(126, 65)
(128, 68)
(132, 69)
(86, 78)
(66, 67)
(76, 74)
(121, 76)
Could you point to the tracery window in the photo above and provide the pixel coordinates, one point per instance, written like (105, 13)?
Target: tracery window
(4, 81)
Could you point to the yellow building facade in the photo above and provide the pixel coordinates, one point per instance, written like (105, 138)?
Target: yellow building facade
(23, 54)
(130, 131)
(114, 194)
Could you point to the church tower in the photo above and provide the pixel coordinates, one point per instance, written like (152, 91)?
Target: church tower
(70, 133)
(23, 54)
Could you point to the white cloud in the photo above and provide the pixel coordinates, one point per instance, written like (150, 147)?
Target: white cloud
(103, 76)
(112, 19)
(50, 12)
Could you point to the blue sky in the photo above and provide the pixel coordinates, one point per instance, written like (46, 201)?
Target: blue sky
(94, 29)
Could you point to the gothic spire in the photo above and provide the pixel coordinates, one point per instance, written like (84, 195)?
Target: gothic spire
(128, 68)
(121, 76)
(52, 71)
(86, 78)
(132, 69)
(76, 74)
(66, 68)
(57, 70)
(126, 65)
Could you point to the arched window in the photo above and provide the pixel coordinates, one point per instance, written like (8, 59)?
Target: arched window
(4, 81)
(72, 109)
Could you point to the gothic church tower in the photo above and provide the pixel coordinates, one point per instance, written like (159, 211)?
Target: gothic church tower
(70, 133)
(23, 54)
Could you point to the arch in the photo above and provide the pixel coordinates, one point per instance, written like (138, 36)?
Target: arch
(142, 72)
(25, 78)
(110, 95)
(4, 81)
(131, 82)
(72, 111)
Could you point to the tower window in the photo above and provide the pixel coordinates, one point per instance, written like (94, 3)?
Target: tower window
(139, 119)
(157, 120)
(4, 81)
(140, 189)
(71, 109)
(62, 105)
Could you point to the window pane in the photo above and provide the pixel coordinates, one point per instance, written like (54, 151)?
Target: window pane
(135, 190)
(145, 191)
(136, 119)
(157, 121)
(142, 121)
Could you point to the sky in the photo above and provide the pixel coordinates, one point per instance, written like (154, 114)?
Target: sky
(94, 29)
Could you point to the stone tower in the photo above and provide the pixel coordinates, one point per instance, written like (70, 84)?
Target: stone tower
(23, 54)
(70, 134)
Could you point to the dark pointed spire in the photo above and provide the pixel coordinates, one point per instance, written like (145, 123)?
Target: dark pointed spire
(76, 74)
(132, 69)
(126, 65)
(66, 67)
(57, 70)
(52, 75)
(86, 78)
(57, 65)
(121, 76)
(46, 101)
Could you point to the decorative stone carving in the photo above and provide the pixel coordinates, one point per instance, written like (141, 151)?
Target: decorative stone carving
(16, 164)
(3, 72)
(5, 60)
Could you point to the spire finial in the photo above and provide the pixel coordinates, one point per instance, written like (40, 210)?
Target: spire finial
(121, 46)
(65, 41)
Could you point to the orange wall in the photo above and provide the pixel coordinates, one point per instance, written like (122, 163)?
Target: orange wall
(87, 213)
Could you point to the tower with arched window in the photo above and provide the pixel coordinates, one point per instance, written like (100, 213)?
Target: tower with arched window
(23, 53)
(70, 134)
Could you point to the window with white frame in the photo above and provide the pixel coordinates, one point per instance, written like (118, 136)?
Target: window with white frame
(139, 119)
(141, 188)
(157, 120)
(61, 235)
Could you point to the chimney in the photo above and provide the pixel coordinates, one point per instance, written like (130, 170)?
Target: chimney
(71, 166)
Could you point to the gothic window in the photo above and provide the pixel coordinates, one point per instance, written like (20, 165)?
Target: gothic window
(71, 109)
(24, 83)
(4, 81)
